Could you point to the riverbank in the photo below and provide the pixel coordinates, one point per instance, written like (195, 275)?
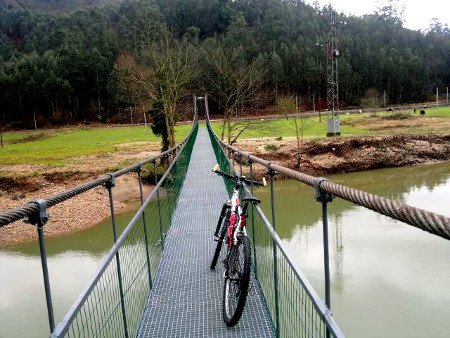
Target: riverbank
(21, 183)
(319, 157)
(76, 214)
(350, 154)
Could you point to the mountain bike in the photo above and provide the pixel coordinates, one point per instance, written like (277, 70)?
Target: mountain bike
(231, 230)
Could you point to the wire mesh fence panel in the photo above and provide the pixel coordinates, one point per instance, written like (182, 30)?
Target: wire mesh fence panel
(295, 308)
(112, 304)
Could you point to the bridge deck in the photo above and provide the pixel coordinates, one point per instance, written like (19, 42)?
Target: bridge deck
(187, 296)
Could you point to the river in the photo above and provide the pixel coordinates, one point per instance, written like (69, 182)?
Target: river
(388, 279)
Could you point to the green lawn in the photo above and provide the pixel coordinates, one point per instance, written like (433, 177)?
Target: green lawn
(351, 124)
(57, 146)
(54, 147)
(19, 136)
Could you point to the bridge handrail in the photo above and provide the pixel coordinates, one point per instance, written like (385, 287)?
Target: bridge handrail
(323, 311)
(32, 208)
(423, 219)
(64, 325)
(429, 221)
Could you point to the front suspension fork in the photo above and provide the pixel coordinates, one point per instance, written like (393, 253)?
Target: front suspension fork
(225, 207)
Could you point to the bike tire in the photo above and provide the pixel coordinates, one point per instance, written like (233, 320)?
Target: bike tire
(223, 231)
(235, 291)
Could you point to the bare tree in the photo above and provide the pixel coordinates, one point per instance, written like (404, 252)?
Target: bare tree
(235, 82)
(164, 74)
(134, 83)
(174, 67)
(290, 108)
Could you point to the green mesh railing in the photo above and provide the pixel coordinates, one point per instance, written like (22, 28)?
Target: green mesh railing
(222, 159)
(294, 306)
(113, 302)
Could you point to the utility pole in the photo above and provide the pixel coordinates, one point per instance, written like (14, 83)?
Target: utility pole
(34, 118)
(334, 128)
(447, 96)
(384, 98)
(437, 97)
(314, 103)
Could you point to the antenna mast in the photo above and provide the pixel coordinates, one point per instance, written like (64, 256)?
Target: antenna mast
(334, 127)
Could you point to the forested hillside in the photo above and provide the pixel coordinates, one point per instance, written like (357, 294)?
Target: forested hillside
(118, 58)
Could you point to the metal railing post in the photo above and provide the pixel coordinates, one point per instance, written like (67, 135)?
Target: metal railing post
(144, 222)
(40, 219)
(250, 162)
(271, 174)
(109, 185)
(159, 206)
(324, 198)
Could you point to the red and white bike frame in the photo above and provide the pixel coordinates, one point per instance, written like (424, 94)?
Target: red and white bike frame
(238, 220)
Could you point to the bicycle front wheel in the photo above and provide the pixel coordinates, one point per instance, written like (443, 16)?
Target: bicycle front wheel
(237, 279)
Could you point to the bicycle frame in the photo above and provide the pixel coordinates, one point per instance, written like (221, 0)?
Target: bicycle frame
(237, 216)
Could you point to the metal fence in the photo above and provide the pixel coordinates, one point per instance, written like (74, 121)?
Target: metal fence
(294, 306)
(113, 302)
(134, 256)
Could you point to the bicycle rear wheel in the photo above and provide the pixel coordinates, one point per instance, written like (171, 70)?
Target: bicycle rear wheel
(237, 279)
(220, 239)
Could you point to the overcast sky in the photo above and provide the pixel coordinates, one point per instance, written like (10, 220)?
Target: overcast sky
(417, 14)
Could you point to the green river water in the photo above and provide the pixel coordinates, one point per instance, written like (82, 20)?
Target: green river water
(388, 279)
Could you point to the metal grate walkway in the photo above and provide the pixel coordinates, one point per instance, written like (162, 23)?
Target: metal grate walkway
(186, 300)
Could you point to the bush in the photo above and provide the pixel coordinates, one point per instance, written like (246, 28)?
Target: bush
(398, 116)
(271, 147)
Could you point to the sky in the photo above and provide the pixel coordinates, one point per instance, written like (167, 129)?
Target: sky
(417, 13)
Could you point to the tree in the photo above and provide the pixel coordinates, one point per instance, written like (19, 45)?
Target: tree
(234, 81)
(290, 108)
(159, 123)
(173, 66)
(131, 84)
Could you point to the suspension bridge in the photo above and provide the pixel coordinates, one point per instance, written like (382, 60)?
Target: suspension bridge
(156, 281)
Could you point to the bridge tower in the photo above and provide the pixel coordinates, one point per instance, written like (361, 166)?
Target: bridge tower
(334, 127)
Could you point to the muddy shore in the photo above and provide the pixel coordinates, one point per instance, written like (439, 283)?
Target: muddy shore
(316, 157)
(76, 214)
(349, 154)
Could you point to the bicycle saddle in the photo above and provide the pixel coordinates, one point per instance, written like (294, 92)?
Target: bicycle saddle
(252, 199)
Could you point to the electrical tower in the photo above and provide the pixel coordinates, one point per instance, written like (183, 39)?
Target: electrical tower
(334, 127)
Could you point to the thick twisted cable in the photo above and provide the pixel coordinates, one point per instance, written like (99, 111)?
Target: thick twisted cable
(426, 220)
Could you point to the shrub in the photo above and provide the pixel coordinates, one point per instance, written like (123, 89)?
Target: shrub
(271, 147)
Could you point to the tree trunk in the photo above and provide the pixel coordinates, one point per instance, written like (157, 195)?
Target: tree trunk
(172, 136)
(170, 126)
(229, 128)
(168, 129)
(222, 134)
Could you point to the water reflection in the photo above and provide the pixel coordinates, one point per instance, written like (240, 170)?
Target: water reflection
(388, 279)
(72, 260)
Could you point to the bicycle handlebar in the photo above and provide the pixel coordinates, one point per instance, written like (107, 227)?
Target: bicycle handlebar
(238, 177)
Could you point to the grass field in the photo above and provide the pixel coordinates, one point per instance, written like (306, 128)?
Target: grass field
(54, 147)
(436, 120)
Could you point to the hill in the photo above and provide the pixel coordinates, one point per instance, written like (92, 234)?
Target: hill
(72, 67)
(52, 6)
